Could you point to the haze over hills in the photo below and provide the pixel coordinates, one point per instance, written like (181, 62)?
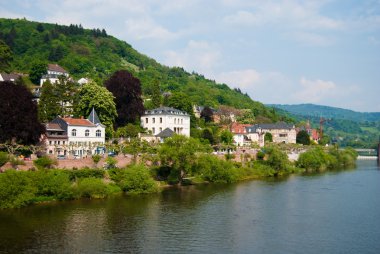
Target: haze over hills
(328, 112)
(96, 55)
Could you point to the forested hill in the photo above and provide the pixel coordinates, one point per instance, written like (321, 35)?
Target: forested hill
(328, 112)
(95, 54)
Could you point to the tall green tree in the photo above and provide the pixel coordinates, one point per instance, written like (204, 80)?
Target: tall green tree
(156, 94)
(18, 115)
(303, 138)
(126, 90)
(48, 106)
(94, 96)
(36, 71)
(6, 56)
(181, 101)
(268, 137)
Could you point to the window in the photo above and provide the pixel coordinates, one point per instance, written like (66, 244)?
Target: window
(50, 142)
(160, 119)
(98, 133)
(154, 120)
(74, 132)
(59, 142)
(283, 135)
(87, 133)
(63, 142)
(146, 120)
(160, 129)
(153, 131)
(175, 120)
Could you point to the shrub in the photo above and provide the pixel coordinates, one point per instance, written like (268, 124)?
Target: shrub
(16, 189)
(137, 179)
(215, 170)
(111, 162)
(96, 158)
(45, 162)
(55, 183)
(3, 158)
(85, 173)
(91, 188)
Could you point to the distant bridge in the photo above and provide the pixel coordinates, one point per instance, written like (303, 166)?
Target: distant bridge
(368, 154)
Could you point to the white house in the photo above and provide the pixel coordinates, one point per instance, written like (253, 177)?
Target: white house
(54, 71)
(281, 133)
(75, 137)
(159, 119)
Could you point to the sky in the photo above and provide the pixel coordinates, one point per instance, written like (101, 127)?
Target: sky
(324, 52)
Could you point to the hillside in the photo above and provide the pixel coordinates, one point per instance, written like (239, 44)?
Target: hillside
(328, 112)
(345, 127)
(95, 54)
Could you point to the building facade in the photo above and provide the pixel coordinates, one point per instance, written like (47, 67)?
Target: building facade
(159, 119)
(281, 133)
(73, 137)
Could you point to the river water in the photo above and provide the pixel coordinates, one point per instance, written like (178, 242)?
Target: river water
(335, 212)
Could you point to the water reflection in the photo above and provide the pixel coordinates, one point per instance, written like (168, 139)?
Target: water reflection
(335, 212)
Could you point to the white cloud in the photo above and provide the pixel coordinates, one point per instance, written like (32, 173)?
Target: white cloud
(315, 90)
(146, 28)
(244, 79)
(199, 56)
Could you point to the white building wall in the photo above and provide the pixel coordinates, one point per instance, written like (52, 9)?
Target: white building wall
(80, 144)
(177, 123)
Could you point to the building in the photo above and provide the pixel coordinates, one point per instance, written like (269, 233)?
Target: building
(73, 137)
(159, 119)
(9, 77)
(281, 133)
(54, 72)
(239, 132)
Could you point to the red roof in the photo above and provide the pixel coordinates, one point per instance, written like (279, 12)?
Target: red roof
(78, 122)
(56, 67)
(238, 128)
(314, 134)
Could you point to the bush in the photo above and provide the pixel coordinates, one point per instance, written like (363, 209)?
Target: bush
(91, 188)
(85, 173)
(3, 158)
(45, 162)
(111, 162)
(96, 158)
(215, 170)
(136, 179)
(55, 184)
(16, 189)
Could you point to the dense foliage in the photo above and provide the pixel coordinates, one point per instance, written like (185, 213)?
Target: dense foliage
(303, 138)
(18, 115)
(126, 90)
(94, 54)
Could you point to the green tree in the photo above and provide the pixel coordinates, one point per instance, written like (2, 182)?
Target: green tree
(98, 97)
(226, 137)
(48, 106)
(276, 158)
(36, 71)
(156, 94)
(268, 137)
(179, 153)
(182, 102)
(6, 56)
(303, 138)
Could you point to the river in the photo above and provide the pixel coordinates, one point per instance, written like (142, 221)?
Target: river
(334, 212)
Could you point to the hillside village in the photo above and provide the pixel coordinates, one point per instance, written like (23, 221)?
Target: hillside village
(68, 137)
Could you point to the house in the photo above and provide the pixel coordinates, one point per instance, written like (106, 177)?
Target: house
(9, 77)
(54, 72)
(281, 133)
(75, 137)
(239, 132)
(159, 119)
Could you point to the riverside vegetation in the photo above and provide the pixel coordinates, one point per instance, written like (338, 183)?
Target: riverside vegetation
(178, 160)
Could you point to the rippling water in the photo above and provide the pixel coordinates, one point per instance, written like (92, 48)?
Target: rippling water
(327, 213)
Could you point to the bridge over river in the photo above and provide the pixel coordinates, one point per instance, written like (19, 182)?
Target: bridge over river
(368, 154)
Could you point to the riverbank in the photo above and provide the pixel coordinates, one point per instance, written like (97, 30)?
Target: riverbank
(21, 188)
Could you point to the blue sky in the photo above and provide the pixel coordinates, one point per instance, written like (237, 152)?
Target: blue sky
(288, 52)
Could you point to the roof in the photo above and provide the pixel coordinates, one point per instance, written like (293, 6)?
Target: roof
(93, 117)
(167, 133)
(165, 111)
(78, 122)
(56, 68)
(270, 126)
(10, 76)
(53, 127)
(238, 128)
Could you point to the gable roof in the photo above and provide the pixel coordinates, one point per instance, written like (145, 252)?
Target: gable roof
(167, 133)
(165, 111)
(93, 117)
(270, 126)
(10, 76)
(53, 127)
(78, 122)
(56, 68)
